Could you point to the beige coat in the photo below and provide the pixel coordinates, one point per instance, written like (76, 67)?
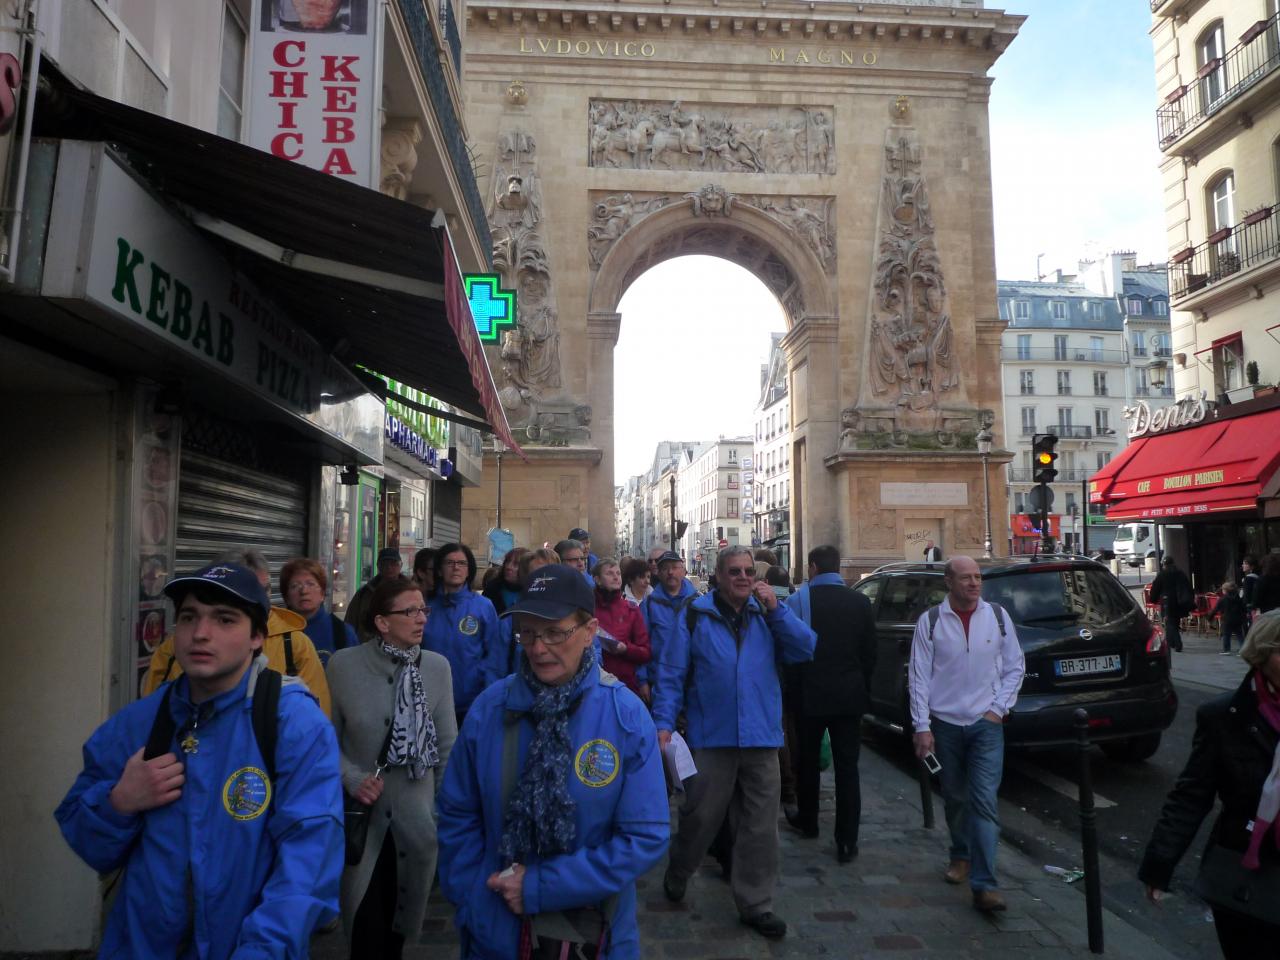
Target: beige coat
(362, 685)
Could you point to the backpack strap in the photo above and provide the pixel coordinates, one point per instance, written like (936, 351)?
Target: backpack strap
(160, 740)
(168, 667)
(266, 717)
(290, 667)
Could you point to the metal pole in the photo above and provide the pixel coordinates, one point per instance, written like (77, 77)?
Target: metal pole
(673, 513)
(1089, 836)
(1084, 529)
(986, 502)
(498, 453)
(926, 793)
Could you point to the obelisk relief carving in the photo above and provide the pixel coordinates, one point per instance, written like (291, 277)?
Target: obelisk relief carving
(529, 368)
(911, 394)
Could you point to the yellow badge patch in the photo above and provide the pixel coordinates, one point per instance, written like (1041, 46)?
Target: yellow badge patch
(597, 763)
(246, 793)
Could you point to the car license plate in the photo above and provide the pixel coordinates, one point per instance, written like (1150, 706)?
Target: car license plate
(1080, 666)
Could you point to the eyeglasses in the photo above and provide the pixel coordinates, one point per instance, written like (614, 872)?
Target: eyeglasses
(297, 586)
(454, 563)
(551, 637)
(741, 571)
(412, 612)
(575, 559)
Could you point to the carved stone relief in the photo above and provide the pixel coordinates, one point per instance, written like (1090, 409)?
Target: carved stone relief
(400, 138)
(643, 135)
(530, 354)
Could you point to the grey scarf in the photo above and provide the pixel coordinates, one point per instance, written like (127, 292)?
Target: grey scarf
(413, 732)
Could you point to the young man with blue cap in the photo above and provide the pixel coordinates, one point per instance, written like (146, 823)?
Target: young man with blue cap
(228, 844)
(554, 801)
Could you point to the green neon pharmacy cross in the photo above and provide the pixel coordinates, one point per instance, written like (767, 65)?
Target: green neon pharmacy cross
(492, 307)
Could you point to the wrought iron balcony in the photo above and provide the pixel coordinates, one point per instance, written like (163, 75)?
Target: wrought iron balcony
(1220, 82)
(1027, 475)
(1069, 355)
(1254, 240)
(1066, 431)
(452, 36)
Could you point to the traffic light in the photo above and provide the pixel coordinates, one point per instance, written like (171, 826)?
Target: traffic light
(1043, 457)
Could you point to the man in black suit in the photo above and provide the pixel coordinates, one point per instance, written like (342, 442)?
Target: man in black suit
(833, 692)
(932, 553)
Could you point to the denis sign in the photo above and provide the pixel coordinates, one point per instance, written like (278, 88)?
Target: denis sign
(492, 307)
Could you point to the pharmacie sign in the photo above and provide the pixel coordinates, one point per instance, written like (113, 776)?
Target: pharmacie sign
(313, 84)
(113, 245)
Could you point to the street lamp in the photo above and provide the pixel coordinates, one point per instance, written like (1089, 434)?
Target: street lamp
(984, 439)
(1157, 372)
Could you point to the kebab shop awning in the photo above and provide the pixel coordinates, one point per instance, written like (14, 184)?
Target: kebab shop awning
(1216, 467)
(371, 278)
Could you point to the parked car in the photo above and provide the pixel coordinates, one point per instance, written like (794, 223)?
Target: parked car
(1087, 643)
(1102, 555)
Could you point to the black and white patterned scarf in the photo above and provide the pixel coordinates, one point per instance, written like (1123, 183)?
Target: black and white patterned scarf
(413, 732)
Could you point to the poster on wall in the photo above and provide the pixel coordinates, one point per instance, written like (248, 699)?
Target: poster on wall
(154, 507)
(314, 84)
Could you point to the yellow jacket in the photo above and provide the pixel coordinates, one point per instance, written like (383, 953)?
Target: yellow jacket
(280, 623)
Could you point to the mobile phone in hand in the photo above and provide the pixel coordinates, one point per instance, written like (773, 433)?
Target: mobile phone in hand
(931, 763)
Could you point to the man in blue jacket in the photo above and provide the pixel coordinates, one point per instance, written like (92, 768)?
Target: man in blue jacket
(554, 799)
(218, 857)
(463, 627)
(722, 670)
(662, 608)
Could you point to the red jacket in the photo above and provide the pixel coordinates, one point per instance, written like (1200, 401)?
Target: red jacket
(621, 619)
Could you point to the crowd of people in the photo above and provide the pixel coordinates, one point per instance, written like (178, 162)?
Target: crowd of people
(518, 743)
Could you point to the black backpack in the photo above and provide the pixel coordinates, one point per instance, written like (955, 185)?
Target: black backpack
(266, 722)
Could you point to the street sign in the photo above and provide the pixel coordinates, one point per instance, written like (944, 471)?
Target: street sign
(1040, 498)
(723, 544)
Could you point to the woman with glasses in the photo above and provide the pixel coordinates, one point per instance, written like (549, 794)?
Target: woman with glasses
(555, 800)
(463, 627)
(303, 585)
(393, 712)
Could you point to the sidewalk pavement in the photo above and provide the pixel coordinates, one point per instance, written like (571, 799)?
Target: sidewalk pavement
(890, 902)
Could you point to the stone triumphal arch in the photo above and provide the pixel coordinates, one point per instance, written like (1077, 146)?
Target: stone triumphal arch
(839, 151)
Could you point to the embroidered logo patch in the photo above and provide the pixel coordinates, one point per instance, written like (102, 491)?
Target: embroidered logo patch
(597, 763)
(246, 793)
(468, 626)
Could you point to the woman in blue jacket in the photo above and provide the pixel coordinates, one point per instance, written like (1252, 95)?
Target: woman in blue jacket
(463, 627)
(554, 800)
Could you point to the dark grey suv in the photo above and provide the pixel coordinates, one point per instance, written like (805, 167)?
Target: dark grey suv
(1086, 641)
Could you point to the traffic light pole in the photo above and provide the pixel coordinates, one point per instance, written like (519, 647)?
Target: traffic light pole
(673, 513)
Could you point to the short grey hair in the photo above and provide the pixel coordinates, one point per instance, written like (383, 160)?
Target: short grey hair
(250, 557)
(739, 550)
(1263, 639)
(565, 545)
(603, 564)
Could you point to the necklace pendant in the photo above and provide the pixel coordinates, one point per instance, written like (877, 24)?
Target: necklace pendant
(190, 744)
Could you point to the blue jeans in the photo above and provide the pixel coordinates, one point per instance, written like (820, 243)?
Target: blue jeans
(972, 761)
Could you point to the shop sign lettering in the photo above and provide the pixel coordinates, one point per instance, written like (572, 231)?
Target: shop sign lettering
(1188, 411)
(399, 435)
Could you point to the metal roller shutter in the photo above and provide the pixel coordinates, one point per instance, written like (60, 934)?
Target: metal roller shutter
(446, 519)
(225, 506)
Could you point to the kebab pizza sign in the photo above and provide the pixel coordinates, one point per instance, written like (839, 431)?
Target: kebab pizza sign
(313, 84)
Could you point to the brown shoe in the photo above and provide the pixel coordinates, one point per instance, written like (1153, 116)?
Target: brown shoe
(957, 872)
(988, 901)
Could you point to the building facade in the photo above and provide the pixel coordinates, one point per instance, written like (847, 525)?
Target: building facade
(712, 495)
(772, 458)
(178, 385)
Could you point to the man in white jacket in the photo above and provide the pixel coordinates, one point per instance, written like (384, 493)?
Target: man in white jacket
(966, 668)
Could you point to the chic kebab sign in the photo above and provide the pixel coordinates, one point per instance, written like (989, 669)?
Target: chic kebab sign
(314, 83)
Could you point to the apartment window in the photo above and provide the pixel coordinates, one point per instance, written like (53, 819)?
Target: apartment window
(1133, 306)
(1221, 202)
(1102, 421)
(1099, 383)
(733, 481)
(1095, 349)
(1228, 364)
(1027, 381)
(231, 81)
(1071, 503)
(1095, 310)
(1022, 309)
(1160, 307)
(1058, 310)
(1163, 344)
(1209, 50)
(1019, 502)
(1028, 420)
(1059, 347)
(1064, 418)
(1024, 346)
(1139, 343)
(1103, 458)
(732, 509)
(733, 456)
(1064, 383)
(1142, 382)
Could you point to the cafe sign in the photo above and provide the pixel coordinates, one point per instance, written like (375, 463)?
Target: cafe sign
(115, 248)
(1187, 412)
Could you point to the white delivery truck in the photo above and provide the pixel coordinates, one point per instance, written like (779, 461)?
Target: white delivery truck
(1135, 542)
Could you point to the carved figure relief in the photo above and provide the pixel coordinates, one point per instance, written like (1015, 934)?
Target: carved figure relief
(529, 355)
(643, 135)
(400, 138)
(612, 216)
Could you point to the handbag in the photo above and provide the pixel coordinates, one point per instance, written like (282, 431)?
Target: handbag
(356, 815)
(1223, 881)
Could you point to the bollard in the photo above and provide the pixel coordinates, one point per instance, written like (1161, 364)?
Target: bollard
(1089, 836)
(926, 793)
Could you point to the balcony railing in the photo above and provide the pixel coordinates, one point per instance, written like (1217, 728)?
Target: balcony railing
(1027, 475)
(1220, 81)
(418, 22)
(1065, 430)
(1070, 355)
(1228, 251)
(451, 35)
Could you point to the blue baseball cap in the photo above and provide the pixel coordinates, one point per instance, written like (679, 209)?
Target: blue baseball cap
(554, 592)
(232, 578)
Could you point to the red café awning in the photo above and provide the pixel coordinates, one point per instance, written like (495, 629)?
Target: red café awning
(1212, 468)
